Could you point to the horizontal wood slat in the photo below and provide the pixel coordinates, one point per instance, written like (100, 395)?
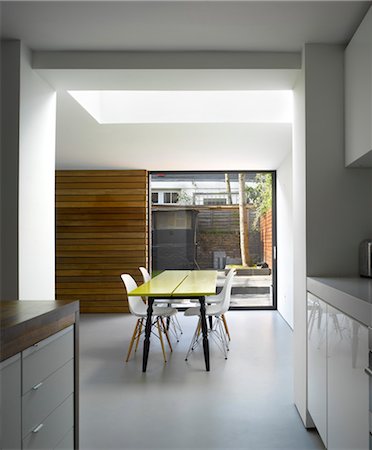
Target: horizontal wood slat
(103, 241)
(101, 232)
(91, 204)
(95, 272)
(102, 198)
(99, 180)
(100, 262)
(103, 211)
(89, 184)
(99, 173)
(101, 191)
(125, 236)
(96, 253)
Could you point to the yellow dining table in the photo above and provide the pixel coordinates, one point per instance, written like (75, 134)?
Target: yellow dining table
(178, 285)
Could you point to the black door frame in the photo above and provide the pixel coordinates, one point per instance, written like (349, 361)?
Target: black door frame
(274, 250)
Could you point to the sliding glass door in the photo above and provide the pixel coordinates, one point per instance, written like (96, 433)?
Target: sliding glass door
(218, 220)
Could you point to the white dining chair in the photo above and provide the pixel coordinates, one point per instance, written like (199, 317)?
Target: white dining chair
(216, 308)
(174, 324)
(138, 308)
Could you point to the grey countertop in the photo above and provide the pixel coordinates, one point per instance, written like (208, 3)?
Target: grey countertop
(351, 295)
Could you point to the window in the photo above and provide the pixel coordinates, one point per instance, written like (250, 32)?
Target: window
(171, 197)
(214, 201)
(154, 197)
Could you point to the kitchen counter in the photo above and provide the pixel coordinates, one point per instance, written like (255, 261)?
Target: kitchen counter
(24, 322)
(39, 369)
(351, 295)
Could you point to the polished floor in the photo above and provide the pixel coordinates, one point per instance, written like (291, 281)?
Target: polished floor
(245, 402)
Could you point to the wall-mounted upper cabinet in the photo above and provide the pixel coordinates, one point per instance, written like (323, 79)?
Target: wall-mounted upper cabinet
(358, 96)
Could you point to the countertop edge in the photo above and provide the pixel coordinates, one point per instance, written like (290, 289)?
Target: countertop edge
(19, 336)
(351, 305)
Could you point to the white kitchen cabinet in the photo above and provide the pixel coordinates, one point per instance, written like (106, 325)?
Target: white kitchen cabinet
(37, 395)
(317, 363)
(338, 387)
(348, 384)
(358, 96)
(10, 377)
(47, 388)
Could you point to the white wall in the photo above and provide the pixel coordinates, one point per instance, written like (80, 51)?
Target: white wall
(299, 247)
(36, 185)
(285, 239)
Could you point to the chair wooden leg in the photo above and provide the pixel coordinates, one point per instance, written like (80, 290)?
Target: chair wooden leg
(198, 330)
(139, 334)
(132, 341)
(166, 334)
(161, 340)
(226, 327)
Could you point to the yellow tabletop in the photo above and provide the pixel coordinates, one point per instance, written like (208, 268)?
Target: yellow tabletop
(198, 283)
(179, 283)
(162, 285)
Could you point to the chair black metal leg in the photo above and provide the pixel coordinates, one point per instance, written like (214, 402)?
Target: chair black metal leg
(146, 344)
(204, 331)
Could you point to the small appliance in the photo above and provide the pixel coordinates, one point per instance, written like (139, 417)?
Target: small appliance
(365, 258)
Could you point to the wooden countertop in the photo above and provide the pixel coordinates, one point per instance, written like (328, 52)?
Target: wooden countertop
(25, 322)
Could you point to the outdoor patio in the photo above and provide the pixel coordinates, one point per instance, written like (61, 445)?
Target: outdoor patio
(249, 290)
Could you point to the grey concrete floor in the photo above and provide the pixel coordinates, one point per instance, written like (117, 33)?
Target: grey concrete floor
(245, 402)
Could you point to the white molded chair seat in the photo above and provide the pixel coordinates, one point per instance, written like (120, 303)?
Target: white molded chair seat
(210, 310)
(218, 298)
(217, 310)
(138, 308)
(176, 327)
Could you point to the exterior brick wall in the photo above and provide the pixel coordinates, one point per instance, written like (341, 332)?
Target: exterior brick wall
(218, 230)
(209, 243)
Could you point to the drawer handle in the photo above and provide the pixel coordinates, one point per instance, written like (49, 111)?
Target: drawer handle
(368, 371)
(36, 387)
(38, 428)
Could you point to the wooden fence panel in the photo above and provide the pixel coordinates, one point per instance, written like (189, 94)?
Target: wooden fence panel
(101, 232)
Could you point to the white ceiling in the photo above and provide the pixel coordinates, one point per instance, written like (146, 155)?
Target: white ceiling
(178, 26)
(82, 143)
(140, 25)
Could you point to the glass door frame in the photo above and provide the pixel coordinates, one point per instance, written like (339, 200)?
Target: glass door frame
(274, 252)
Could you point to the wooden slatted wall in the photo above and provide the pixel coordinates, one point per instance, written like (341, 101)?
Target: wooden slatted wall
(101, 232)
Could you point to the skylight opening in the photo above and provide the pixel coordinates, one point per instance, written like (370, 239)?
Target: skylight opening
(155, 107)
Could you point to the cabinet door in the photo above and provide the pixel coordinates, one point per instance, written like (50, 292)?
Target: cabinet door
(317, 363)
(348, 384)
(358, 94)
(10, 376)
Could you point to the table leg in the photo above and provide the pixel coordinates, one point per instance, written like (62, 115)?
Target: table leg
(204, 327)
(146, 344)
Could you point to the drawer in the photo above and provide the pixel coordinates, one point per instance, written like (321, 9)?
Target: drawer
(52, 430)
(40, 401)
(45, 357)
(10, 403)
(67, 442)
